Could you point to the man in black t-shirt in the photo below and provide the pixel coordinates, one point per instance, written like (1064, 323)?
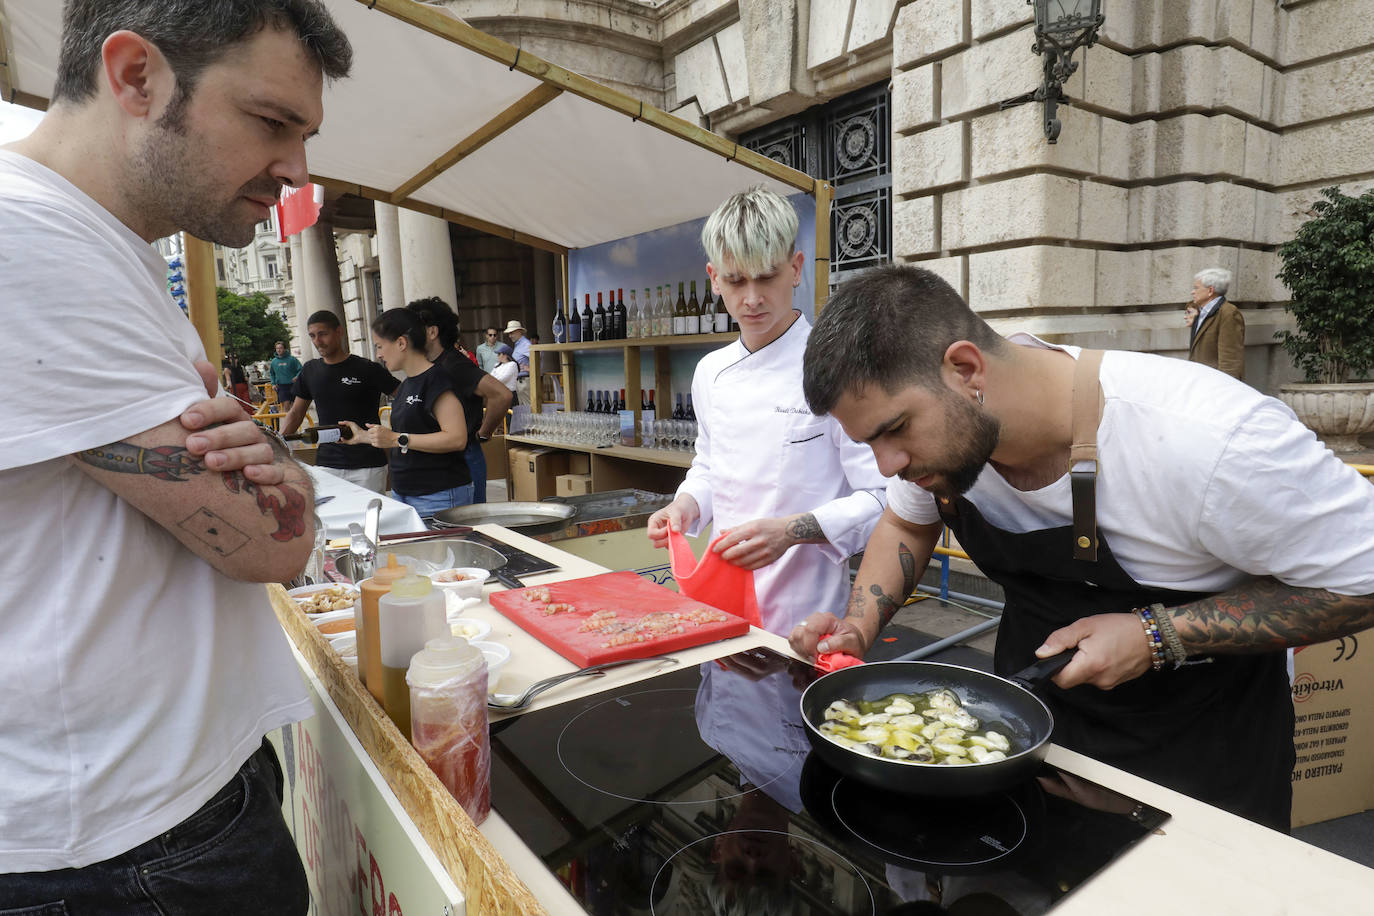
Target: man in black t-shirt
(484, 399)
(343, 387)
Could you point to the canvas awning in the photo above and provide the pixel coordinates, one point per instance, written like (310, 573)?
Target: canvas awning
(445, 119)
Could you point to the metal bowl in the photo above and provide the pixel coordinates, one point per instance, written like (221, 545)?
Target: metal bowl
(464, 553)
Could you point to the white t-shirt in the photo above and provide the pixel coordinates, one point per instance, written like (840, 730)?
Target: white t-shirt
(136, 679)
(1202, 483)
(505, 374)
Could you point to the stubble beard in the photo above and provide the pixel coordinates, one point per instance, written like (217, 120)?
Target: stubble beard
(977, 434)
(174, 186)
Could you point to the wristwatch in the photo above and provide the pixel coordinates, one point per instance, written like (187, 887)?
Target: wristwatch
(403, 440)
(484, 438)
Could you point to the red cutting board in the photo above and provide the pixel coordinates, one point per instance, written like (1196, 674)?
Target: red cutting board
(641, 609)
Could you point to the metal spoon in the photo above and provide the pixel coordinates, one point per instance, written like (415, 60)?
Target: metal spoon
(510, 702)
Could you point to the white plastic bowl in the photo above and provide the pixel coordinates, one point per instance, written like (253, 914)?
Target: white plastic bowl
(497, 656)
(345, 643)
(469, 587)
(470, 629)
(320, 620)
(305, 591)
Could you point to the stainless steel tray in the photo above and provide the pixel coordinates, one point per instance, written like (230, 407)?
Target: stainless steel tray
(507, 515)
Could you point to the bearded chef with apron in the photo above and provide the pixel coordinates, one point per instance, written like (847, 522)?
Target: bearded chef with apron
(1174, 525)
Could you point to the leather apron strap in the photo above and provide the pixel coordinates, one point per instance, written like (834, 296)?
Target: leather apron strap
(1083, 466)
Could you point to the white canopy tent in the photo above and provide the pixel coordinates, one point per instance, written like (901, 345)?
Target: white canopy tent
(445, 119)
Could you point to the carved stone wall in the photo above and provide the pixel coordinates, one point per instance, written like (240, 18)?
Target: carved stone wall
(1197, 134)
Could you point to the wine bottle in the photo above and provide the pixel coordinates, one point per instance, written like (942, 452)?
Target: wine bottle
(620, 404)
(691, 414)
(591, 401)
(622, 317)
(644, 316)
(588, 331)
(600, 402)
(680, 312)
(574, 323)
(708, 311)
(632, 317)
(323, 434)
(694, 312)
(678, 412)
(599, 319)
(652, 406)
(559, 325)
(658, 312)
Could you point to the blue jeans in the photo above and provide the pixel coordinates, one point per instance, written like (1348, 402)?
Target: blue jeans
(429, 503)
(477, 467)
(233, 856)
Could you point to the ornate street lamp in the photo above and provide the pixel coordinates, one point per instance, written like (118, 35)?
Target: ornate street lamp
(1061, 27)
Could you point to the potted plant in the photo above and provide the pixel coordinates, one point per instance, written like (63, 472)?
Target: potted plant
(1329, 269)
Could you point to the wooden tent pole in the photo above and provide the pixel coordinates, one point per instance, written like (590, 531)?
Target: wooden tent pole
(823, 193)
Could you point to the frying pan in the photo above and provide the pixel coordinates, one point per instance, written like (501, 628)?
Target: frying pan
(1004, 704)
(507, 514)
(464, 553)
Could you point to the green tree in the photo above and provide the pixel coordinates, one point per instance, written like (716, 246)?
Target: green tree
(1329, 268)
(250, 329)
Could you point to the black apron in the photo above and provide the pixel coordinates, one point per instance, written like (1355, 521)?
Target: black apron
(1219, 730)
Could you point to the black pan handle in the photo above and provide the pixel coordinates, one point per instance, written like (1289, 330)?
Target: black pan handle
(1038, 673)
(506, 579)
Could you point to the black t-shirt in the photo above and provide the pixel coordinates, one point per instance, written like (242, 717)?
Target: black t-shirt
(349, 390)
(465, 376)
(412, 411)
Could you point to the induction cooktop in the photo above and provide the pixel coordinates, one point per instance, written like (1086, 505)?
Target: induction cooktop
(695, 792)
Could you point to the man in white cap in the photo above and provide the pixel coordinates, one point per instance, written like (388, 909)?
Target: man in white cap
(521, 346)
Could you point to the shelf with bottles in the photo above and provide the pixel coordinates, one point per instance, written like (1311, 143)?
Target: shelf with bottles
(685, 340)
(647, 322)
(667, 457)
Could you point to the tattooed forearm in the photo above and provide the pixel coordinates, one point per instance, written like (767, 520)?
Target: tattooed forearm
(887, 605)
(1263, 615)
(284, 502)
(165, 462)
(908, 561)
(805, 530)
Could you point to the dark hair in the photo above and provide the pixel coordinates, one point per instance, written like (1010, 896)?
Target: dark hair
(890, 327)
(324, 317)
(393, 324)
(436, 313)
(191, 34)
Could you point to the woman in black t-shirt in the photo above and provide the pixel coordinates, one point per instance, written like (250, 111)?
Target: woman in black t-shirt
(427, 422)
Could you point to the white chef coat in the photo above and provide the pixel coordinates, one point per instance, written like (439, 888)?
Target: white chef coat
(762, 453)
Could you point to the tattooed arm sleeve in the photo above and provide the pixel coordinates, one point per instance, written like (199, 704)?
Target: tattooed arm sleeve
(1264, 614)
(894, 560)
(245, 530)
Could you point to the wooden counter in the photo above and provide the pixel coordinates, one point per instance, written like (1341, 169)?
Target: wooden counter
(1202, 860)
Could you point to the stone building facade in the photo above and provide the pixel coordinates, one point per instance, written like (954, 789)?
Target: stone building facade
(1197, 134)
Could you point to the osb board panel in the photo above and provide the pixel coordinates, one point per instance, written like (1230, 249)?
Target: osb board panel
(488, 883)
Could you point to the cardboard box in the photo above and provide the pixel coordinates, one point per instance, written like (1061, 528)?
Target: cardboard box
(495, 453)
(579, 463)
(1333, 732)
(534, 473)
(574, 484)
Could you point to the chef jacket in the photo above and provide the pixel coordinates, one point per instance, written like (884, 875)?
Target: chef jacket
(762, 453)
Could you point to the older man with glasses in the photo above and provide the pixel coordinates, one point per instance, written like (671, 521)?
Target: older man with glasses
(486, 350)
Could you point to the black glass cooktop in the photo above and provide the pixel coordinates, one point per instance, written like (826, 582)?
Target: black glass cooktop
(695, 792)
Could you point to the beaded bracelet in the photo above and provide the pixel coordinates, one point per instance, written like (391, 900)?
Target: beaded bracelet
(1152, 637)
(1173, 645)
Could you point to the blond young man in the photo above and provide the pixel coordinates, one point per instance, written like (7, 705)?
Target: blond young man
(793, 495)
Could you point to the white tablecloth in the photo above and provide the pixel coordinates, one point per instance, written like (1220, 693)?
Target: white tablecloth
(350, 505)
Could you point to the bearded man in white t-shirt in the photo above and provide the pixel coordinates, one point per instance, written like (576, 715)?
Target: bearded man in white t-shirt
(1202, 529)
(143, 667)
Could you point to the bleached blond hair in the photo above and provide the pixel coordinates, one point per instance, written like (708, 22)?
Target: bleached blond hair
(751, 232)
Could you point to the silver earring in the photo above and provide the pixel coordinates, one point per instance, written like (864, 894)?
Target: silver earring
(979, 394)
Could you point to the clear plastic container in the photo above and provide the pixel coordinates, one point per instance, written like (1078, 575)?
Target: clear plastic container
(448, 719)
(408, 616)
